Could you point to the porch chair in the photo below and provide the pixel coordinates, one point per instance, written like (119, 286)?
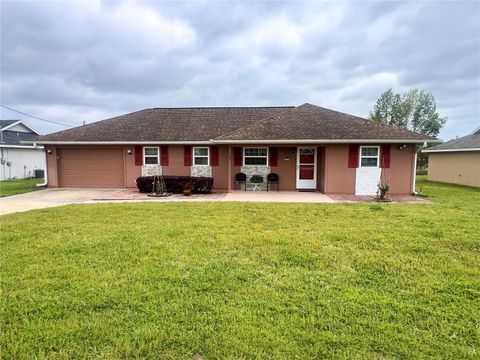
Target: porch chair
(274, 179)
(240, 179)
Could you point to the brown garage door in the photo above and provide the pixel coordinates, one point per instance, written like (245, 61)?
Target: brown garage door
(91, 167)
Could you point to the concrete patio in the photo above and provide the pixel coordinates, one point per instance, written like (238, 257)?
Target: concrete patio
(251, 196)
(57, 197)
(258, 196)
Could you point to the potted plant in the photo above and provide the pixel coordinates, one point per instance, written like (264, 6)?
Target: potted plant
(187, 189)
(383, 189)
(256, 179)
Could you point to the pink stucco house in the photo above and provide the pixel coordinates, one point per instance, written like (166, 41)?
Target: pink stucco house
(311, 149)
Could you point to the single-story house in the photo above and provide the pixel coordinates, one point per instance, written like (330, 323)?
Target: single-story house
(456, 161)
(311, 149)
(18, 160)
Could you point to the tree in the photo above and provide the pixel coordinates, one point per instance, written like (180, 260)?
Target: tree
(414, 110)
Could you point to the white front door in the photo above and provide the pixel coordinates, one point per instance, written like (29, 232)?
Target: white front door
(307, 168)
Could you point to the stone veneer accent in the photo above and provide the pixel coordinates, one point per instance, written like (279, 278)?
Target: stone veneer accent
(151, 170)
(251, 170)
(201, 171)
(367, 180)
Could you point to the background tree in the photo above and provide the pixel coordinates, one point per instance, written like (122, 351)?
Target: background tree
(414, 110)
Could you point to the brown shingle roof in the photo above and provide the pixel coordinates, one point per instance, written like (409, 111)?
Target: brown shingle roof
(167, 124)
(464, 143)
(310, 122)
(307, 122)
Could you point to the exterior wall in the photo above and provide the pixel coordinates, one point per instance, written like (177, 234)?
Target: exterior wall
(339, 178)
(220, 172)
(367, 180)
(400, 175)
(201, 171)
(235, 170)
(175, 162)
(286, 168)
(333, 174)
(151, 170)
(130, 170)
(251, 170)
(455, 167)
(176, 166)
(23, 162)
(321, 168)
(52, 169)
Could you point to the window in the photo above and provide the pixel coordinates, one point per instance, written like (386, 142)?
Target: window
(369, 156)
(255, 156)
(200, 156)
(151, 155)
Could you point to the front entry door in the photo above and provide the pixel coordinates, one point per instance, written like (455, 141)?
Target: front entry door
(307, 168)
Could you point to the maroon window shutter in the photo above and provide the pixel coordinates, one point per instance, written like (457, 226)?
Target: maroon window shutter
(187, 155)
(353, 155)
(273, 156)
(237, 156)
(138, 155)
(164, 155)
(385, 156)
(214, 155)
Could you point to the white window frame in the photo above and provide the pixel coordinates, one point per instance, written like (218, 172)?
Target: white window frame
(255, 147)
(202, 156)
(150, 156)
(369, 157)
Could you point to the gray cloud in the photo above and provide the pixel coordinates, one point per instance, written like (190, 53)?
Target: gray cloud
(85, 61)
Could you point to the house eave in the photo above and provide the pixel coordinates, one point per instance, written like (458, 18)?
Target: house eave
(117, 142)
(214, 141)
(450, 150)
(328, 141)
(21, 146)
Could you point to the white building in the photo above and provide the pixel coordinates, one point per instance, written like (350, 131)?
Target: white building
(17, 160)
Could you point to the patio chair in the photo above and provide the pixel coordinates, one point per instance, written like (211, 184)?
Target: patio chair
(273, 179)
(240, 179)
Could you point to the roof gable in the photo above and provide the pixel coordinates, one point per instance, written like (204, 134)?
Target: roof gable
(16, 125)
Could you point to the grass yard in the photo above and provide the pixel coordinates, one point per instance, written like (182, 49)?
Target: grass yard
(244, 280)
(13, 187)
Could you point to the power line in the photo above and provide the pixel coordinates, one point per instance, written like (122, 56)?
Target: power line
(36, 117)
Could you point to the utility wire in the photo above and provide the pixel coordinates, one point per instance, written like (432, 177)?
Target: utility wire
(35, 117)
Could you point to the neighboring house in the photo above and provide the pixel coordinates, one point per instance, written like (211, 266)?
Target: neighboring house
(456, 161)
(309, 147)
(18, 160)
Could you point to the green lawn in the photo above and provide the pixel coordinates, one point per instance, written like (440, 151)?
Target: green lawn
(244, 280)
(13, 187)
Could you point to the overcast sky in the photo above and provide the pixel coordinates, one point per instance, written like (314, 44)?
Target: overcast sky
(87, 61)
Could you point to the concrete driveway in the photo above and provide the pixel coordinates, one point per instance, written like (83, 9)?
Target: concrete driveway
(49, 198)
